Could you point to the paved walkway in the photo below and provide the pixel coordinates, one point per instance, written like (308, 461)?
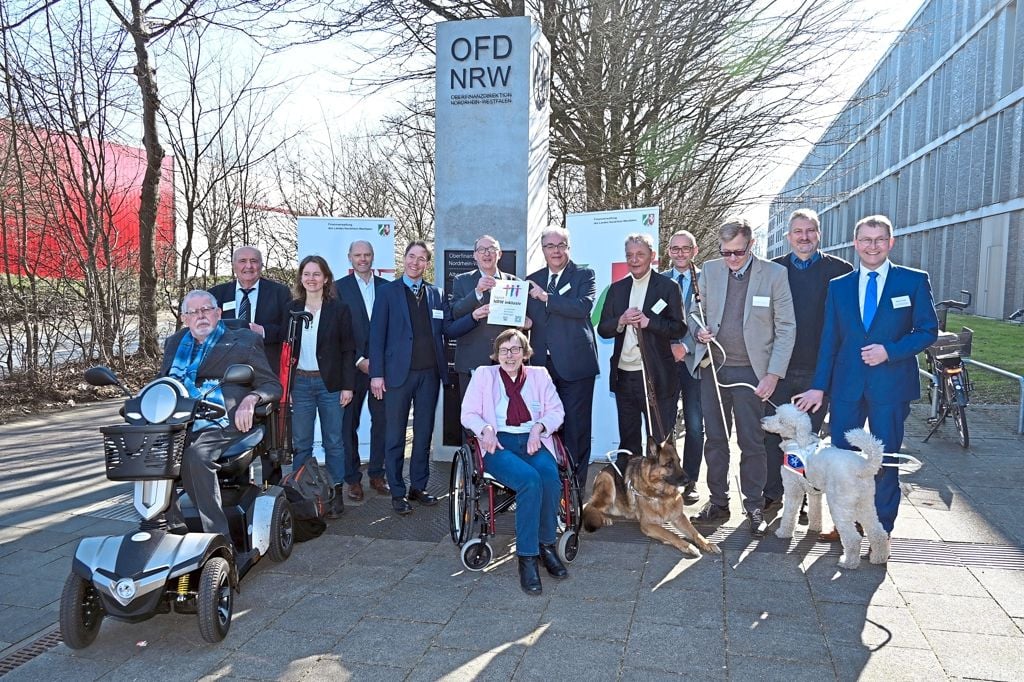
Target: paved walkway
(385, 598)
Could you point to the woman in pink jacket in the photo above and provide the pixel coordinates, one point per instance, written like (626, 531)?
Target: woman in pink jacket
(513, 410)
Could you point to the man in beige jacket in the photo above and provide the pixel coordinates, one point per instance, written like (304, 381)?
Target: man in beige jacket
(750, 318)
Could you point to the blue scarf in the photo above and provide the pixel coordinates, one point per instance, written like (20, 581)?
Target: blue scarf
(185, 369)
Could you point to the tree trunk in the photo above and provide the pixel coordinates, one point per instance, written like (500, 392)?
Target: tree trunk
(146, 76)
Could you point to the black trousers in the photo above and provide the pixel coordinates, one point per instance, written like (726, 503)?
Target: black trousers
(578, 400)
(630, 404)
(199, 477)
(350, 432)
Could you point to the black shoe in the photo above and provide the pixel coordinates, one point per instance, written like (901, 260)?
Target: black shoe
(554, 565)
(690, 495)
(771, 503)
(337, 506)
(424, 498)
(758, 527)
(401, 505)
(803, 513)
(711, 513)
(529, 575)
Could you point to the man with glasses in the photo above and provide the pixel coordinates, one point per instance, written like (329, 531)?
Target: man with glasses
(471, 295)
(197, 356)
(561, 302)
(257, 302)
(407, 366)
(809, 271)
(752, 329)
(877, 319)
(682, 249)
(646, 308)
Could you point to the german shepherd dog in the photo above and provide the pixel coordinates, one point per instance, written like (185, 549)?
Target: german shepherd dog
(648, 491)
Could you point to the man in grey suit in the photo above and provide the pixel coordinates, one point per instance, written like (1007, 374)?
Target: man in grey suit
(471, 295)
(682, 249)
(198, 356)
(358, 291)
(750, 319)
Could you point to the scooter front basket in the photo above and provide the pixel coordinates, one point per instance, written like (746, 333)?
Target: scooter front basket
(143, 453)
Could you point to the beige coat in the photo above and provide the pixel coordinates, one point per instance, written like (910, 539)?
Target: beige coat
(769, 328)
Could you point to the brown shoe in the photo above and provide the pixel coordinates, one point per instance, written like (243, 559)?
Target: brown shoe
(381, 486)
(355, 491)
(833, 535)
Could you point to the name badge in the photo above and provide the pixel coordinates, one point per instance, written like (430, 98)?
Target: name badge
(900, 301)
(565, 289)
(228, 305)
(658, 307)
(437, 314)
(761, 301)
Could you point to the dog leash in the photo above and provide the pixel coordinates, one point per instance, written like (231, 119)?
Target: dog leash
(911, 464)
(629, 484)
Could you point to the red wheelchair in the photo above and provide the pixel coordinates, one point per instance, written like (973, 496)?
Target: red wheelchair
(475, 498)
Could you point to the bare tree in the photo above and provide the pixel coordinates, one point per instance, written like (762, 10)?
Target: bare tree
(671, 102)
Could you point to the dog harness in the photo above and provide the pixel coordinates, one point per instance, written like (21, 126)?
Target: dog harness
(795, 457)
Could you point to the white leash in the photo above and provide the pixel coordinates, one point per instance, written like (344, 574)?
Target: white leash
(911, 464)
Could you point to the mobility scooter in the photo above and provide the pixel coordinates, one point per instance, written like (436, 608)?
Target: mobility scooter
(169, 563)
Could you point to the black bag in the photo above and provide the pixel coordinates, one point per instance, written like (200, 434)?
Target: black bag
(309, 491)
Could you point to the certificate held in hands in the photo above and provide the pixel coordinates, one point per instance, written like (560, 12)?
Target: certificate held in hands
(508, 303)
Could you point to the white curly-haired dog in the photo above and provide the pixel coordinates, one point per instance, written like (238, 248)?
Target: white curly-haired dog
(846, 477)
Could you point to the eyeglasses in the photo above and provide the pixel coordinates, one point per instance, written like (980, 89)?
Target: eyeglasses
(514, 350)
(204, 311)
(560, 246)
(738, 253)
(864, 242)
(680, 249)
(486, 250)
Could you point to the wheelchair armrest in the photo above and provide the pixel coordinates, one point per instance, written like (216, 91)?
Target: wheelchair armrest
(265, 410)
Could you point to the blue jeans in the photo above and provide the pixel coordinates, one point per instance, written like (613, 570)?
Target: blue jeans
(538, 490)
(309, 397)
(693, 419)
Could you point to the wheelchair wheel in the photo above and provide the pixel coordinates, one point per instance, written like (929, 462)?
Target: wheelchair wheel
(476, 554)
(575, 504)
(568, 546)
(461, 497)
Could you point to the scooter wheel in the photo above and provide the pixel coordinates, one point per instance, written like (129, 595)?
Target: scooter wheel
(282, 531)
(81, 612)
(215, 600)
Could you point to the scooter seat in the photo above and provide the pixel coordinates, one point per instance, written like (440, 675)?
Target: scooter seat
(236, 457)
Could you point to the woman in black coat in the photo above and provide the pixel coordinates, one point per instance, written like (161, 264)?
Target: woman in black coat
(324, 372)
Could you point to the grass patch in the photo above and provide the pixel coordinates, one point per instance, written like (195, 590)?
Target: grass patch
(996, 343)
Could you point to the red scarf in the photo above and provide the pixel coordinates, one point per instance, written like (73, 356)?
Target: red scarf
(517, 413)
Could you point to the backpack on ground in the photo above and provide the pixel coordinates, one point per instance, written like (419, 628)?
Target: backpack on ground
(310, 492)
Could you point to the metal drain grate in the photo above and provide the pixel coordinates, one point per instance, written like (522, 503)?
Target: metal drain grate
(30, 651)
(119, 508)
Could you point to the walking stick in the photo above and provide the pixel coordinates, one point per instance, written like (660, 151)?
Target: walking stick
(702, 321)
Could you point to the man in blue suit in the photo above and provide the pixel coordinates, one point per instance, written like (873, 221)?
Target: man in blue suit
(561, 302)
(877, 319)
(358, 291)
(407, 365)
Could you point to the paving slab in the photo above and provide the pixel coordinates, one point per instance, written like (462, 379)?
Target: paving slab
(961, 614)
(885, 664)
(382, 641)
(673, 648)
(986, 657)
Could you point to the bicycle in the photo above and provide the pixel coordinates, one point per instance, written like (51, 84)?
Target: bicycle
(950, 387)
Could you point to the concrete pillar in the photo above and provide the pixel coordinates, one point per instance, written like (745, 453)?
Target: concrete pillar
(493, 112)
